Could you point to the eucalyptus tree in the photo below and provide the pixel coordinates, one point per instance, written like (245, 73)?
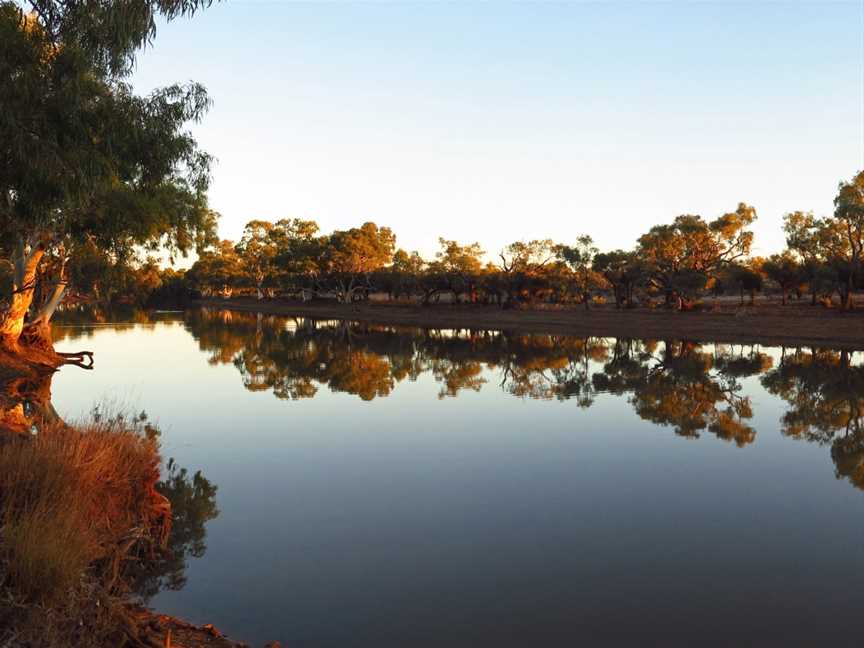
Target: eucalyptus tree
(257, 250)
(456, 269)
(299, 250)
(746, 278)
(404, 275)
(623, 271)
(580, 257)
(849, 223)
(350, 256)
(525, 265)
(816, 242)
(785, 270)
(217, 271)
(683, 255)
(83, 159)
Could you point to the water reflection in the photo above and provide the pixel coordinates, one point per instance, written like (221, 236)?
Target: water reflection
(25, 400)
(689, 387)
(823, 389)
(193, 505)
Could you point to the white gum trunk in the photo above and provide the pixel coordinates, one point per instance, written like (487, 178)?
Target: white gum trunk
(26, 263)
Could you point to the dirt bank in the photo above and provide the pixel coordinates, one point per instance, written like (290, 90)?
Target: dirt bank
(164, 630)
(774, 325)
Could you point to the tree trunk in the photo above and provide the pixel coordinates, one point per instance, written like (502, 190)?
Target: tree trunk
(784, 291)
(37, 333)
(23, 286)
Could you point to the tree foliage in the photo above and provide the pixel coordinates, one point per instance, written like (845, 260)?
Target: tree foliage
(84, 160)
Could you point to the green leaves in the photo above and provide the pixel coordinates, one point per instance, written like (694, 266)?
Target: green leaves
(109, 33)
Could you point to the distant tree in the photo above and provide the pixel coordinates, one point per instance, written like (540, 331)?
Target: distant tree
(405, 273)
(810, 238)
(745, 278)
(623, 271)
(217, 270)
(257, 251)
(580, 258)
(785, 270)
(351, 255)
(456, 269)
(460, 259)
(848, 247)
(525, 266)
(409, 264)
(686, 253)
(299, 253)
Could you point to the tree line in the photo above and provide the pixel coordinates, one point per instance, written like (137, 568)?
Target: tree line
(674, 264)
(99, 186)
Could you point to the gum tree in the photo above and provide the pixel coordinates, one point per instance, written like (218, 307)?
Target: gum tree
(257, 251)
(580, 257)
(524, 267)
(809, 238)
(350, 256)
(848, 222)
(84, 160)
(684, 254)
(785, 270)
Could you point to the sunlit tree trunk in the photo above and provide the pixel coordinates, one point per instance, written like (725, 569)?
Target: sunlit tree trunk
(26, 262)
(37, 332)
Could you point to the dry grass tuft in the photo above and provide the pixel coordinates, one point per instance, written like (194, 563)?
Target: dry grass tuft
(76, 502)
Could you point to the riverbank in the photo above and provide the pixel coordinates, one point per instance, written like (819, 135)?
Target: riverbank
(83, 520)
(768, 324)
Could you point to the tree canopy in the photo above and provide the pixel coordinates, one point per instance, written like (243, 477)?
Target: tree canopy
(83, 159)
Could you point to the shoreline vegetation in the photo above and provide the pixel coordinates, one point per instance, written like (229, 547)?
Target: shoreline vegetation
(88, 519)
(766, 323)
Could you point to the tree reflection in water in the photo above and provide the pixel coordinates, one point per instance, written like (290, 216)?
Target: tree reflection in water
(824, 391)
(690, 387)
(193, 504)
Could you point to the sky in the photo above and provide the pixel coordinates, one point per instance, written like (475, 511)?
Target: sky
(501, 121)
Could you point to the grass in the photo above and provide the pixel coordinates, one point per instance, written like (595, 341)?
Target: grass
(77, 503)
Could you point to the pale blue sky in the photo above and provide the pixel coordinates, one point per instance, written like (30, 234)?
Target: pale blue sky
(505, 121)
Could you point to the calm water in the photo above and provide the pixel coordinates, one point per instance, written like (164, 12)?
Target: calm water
(399, 487)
